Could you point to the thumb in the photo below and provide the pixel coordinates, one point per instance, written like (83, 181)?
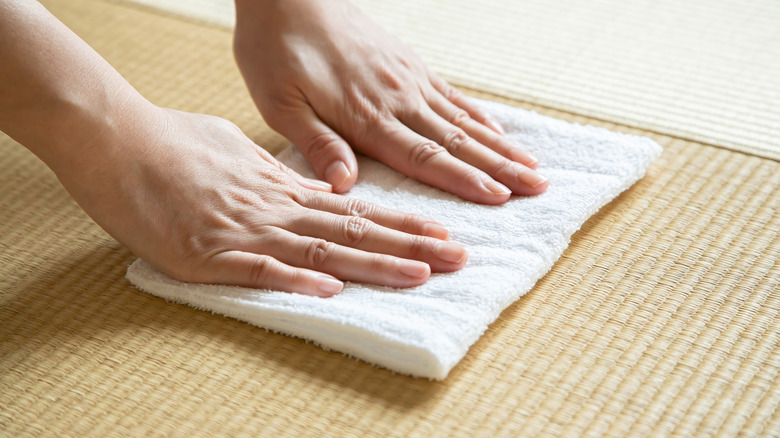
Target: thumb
(329, 155)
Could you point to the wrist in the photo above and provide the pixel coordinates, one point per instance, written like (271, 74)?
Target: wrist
(75, 133)
(60, 99)
(253, 13)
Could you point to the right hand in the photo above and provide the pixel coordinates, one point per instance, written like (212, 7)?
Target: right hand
(331, 80)
(197, 199)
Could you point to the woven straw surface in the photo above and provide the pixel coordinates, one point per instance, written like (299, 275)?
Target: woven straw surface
(706, 70)
(660, 319)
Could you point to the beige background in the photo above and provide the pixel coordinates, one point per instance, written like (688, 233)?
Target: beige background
(661, 319)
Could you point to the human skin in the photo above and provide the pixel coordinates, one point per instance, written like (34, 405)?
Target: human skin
(330, 80)
(190, 193)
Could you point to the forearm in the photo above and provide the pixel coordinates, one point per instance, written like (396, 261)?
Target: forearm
(60, 99)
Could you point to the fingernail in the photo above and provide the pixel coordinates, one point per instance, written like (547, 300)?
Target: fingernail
(436, 231)
(413, 269)
(531, 178)
(493, 123)
(337, 173)
(450, 252)
(496, 188)
(532, 160)
(329, 285)
(321, 184)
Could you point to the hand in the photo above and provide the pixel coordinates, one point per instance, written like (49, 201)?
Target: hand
(192, 195)
(326, 77)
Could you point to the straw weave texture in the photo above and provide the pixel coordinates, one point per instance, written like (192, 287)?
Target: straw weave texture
(660, 319)
(706, 70)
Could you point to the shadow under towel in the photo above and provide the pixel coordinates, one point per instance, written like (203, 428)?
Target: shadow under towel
(425, 331)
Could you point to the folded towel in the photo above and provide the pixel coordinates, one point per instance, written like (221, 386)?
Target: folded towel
(425, 331)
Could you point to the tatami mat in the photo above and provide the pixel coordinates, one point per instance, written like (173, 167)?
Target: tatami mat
(660, 319)
(705, 70)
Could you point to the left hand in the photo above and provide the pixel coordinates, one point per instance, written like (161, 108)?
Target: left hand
(326, 77)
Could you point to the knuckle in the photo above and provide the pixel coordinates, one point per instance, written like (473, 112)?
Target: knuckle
(355, 230)
(454, 139)
(244, 197)
(322, 145)
(281, 181)
(226, 125)
(372, 117)
(378, 262)
(473, 177)
(358, 208)
(419, 247)
(194, 247)
(294, 277)
(504, 165)
(364, 108)
(451, 93)
(318, 252)
(390, 79)
(424, 153)
(410, 222)
(260, 270)
(298, 195)
(413, 108)
(459, 117)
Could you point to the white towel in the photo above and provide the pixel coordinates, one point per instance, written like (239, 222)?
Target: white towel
(425, 331)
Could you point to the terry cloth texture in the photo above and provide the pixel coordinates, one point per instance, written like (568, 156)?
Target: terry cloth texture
(425, 331)
(705, 70)
(662, 318)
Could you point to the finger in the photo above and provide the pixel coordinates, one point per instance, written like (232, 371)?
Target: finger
(519, 178)
(345, 263)
(406, 222)
(264, 272)
(455, 96)
(425, 160)
(313, 184)
(328, 154)
(458, 116)
(357, 232)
